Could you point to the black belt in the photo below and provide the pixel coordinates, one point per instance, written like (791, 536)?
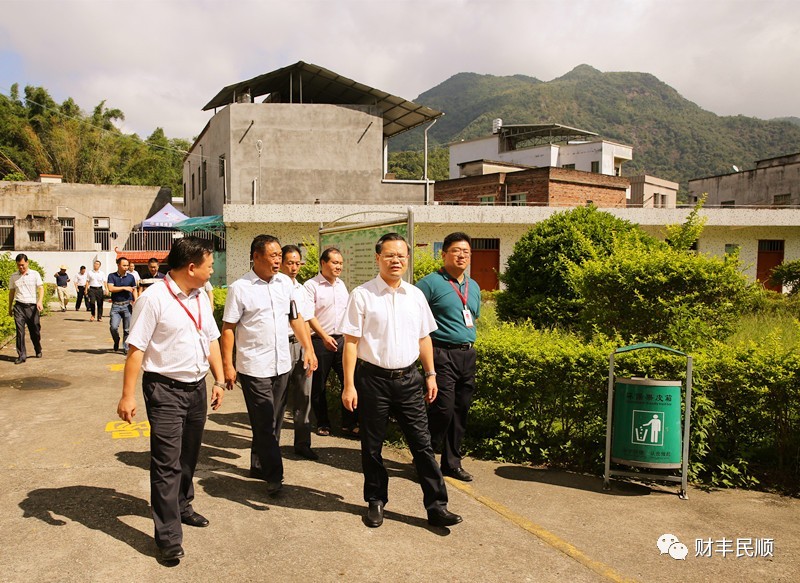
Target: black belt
(293, 339)
(123, 303)
(95, 287)
(385, 373)
(445, 345)
(25, 303)
(180, 386)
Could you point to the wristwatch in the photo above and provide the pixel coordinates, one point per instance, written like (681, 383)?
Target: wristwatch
(430, 373)
(220, 385)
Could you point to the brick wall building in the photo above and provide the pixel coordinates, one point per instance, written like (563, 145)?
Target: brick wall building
(548, 186)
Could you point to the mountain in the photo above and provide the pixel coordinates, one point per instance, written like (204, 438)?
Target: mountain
(672, 137)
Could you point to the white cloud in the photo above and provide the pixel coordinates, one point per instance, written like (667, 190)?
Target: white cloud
(161, 61)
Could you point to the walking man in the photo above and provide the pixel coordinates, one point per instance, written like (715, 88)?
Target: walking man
(258, 312)
(387, 328)
(299, 384)
(122, 286)
(80, 289)
(62, 279)
(329, 296)
(455, 301)
(95, 289)
(153, 275)
(174, 340)
(25, 297)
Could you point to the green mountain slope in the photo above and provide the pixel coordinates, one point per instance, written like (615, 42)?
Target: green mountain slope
(672, 137)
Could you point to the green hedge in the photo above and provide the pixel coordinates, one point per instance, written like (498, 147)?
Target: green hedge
(542, 396)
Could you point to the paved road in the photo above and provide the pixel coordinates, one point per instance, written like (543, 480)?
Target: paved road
(74, 495)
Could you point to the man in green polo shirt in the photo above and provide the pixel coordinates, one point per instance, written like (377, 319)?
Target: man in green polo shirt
(455, 301)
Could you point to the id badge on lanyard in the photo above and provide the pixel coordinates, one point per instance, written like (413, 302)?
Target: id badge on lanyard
(468, 322)
(198, 324)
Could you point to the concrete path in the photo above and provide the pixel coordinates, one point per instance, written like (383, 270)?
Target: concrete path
(74, 495)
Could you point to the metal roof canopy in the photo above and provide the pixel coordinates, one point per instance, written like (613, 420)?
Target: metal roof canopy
(515, 137)
(308, 83)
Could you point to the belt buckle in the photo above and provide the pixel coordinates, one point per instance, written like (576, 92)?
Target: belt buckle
(395, 374)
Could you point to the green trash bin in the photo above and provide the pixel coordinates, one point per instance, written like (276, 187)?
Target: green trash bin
(647, 423)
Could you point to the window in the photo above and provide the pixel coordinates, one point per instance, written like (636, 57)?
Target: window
(731, 248)
(770, 245)
(782, 199)
(192, 185)
(222, 166)
(67, 233)
(6, 232)
(568, 166)
(101, 232)
(36, 236)
(204, 177)
(487, 200)
(596, 167)
(728, 203)
(517, 199)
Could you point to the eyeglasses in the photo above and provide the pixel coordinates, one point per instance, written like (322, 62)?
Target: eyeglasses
(393, 257)
(459, 252)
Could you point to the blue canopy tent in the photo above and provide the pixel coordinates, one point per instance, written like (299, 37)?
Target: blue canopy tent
(164, 219)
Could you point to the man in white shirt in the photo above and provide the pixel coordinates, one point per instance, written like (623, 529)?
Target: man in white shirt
(174, 340)
(25, 297)
(299, 384)
(80, 289)
(96, 286)
(259, 310)
(387, 328)
(328, 296)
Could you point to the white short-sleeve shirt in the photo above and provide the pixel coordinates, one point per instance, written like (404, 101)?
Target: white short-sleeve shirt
(260, 310)
(96, 278)
(25, 286)
(80, 279)
(168, 336)
(390, 322)
(304, 306)
(328, 300)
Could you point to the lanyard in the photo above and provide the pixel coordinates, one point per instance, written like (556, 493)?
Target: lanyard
(197, 325)
(464, 297)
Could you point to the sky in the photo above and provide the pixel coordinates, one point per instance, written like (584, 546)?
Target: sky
(161, 61)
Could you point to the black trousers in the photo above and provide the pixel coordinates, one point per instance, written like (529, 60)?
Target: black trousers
(96, 301)
(82, 295)
(177, 417)
(27, 315)
(447, 415)
(266, 401)
(299, 394)
(403, 398)
(328, 360)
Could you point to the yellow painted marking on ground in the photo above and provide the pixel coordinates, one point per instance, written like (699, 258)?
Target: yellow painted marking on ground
(123, 430)
(116, 367)
(542, 534)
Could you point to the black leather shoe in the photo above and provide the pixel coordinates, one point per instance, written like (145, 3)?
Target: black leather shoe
(374, 517)
(19, 361)
(38, 355)
(171, 553)
(195, 520)
(273, 488)
(306, 452)
(459, 474)
(256, 473)
(442, 517)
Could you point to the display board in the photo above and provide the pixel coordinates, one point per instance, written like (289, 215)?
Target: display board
(357, 244)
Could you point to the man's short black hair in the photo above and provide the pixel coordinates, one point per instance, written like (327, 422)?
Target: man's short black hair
(82, 267)
(389, 237)
(455, 238)
(259, 244)
(21, 257)
(121, 259)
(291, 249)
(188, 250)
(153, 260)
(326, 255)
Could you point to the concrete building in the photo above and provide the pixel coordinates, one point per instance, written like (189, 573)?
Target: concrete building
(539, 145)
(761, 237)
(547, 186)
(58, 223)
(314, 137)
(651, 192)
(774, 182)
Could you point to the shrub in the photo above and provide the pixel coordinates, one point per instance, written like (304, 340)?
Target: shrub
(310, 267)
(787, 275)
(425, 263)
(536, 278)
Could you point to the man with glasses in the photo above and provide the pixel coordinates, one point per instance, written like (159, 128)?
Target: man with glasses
(259, 309)
(455, 301)
(387, 326)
